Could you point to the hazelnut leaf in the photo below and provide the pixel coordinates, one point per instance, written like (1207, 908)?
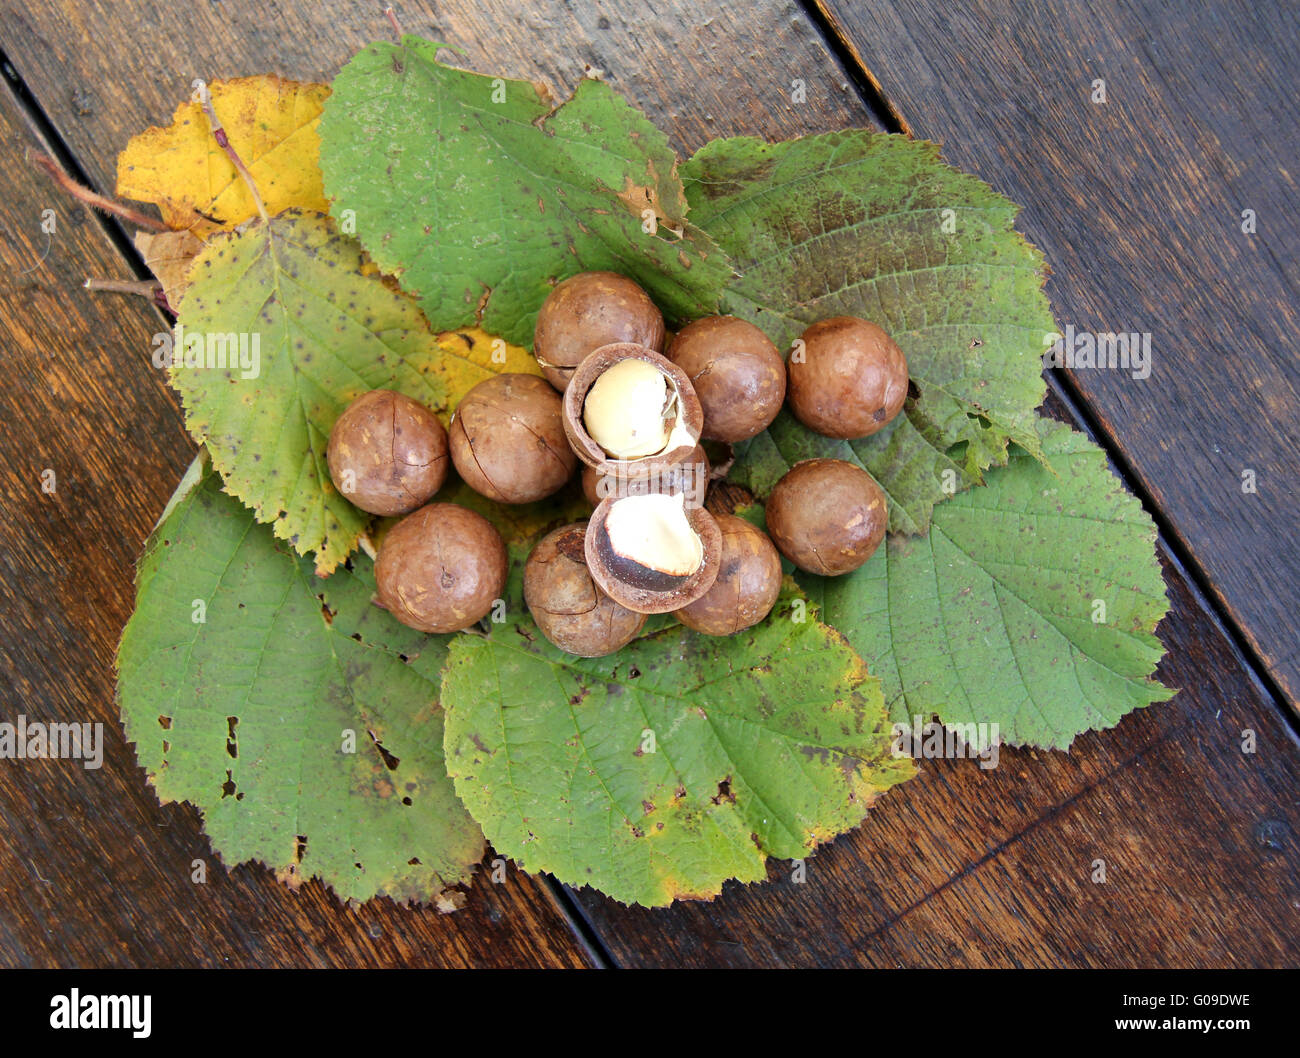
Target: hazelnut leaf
(766, 743)
(855, 223)
(324, 333)
(479, 194)
(1031, 603)
(271, 124)
(298, 718)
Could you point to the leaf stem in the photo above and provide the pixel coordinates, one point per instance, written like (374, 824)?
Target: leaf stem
(204, 98)
(92, 198)
(391, 15)
(147, 288)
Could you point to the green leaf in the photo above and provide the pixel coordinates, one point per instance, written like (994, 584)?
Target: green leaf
(325, 333)
(853, 223)
(1031, 604)
(240, 676)
(479, 196)
(766, 743)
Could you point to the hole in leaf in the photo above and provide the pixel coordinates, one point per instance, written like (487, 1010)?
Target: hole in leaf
(165, 722)
(228, 787)
(232, 743)
(390, 762)
(300, 848)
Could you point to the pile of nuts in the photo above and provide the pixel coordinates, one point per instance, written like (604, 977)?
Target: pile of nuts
(632, 404)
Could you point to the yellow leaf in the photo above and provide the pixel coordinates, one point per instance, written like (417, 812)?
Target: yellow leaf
(472, 355)
(271, 123)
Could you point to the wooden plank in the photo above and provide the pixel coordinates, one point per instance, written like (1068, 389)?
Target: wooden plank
(93, 871)
(920, 883)
(964, 867)
(698, 73)
(1138, 204)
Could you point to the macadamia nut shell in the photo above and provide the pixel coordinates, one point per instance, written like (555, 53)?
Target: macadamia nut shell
(688, 409)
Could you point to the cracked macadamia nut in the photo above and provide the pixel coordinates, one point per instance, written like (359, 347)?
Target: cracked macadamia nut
(441, 568)
(587, 311)
(748, 583)
(569, 607)
(630, 411)
(827, 516)
(737, 373)
(387, 453)
(652, 553)
(850, 379)
(691, 477)
(507, 439)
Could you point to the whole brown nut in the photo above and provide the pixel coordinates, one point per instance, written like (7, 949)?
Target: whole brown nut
(679, 411)
(690, 476)
(850, 379)
(737, 372)
(507, 439)
(568, 606)
(387, 453)
(749, 581)
(827, 516)
(441, 568)
(587, 311)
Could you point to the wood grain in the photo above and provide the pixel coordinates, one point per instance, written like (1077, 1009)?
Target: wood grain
(1138, 204)
(700, 72)
(959, 867)
(93, 871)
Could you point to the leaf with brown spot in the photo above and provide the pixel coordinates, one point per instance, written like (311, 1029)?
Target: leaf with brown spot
(547, 751)
(280, 785)
(271, 123)
(325, 333)
(865, 224)
(519, 193)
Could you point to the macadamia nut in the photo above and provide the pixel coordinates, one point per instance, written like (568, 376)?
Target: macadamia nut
(387, 453)
(850, 379)
(441, 568)
(827, 516)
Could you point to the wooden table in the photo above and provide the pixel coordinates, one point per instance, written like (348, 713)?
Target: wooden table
(1138, 203)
